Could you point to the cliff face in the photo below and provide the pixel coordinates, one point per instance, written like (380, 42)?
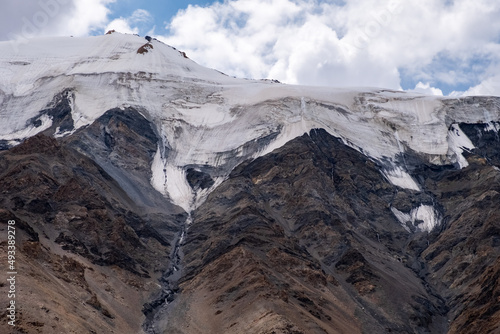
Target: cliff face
(153, 195)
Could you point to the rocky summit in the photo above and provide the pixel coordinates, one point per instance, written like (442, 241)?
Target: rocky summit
(149, 194)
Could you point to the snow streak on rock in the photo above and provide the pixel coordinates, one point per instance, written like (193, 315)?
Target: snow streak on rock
(458, 142)
(158, 172)
(401, 178)
(424, 218)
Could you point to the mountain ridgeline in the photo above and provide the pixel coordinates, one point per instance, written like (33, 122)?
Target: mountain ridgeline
(152, 195)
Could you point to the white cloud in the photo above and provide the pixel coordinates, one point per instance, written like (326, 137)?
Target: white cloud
(292, 41)
(132, 24)
(88, 15)
(489, 87)
(140, 15)
(427, 89)
(32, 18)
(356, 43)
(122, 25)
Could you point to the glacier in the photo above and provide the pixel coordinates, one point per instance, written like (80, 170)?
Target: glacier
(211, 121)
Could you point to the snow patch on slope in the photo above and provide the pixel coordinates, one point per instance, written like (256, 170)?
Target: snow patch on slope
(177, 187)
(492, 126)
(457, 143)
(400, 178)
(59, 134)
(158, 178)
(45, 123)
(424, 218)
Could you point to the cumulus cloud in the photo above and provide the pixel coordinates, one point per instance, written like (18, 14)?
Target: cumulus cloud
(87, 16)
(425, 88)
(489, 85)
(132, 24)
(26, 19)
(344, 43)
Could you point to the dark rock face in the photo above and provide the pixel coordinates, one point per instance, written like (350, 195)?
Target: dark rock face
(486, 140)
(69, 193)
(60, 113)
(463, 257)
(65, 203)
(303, 241)
(198, 179)
(4, 145)
(123, 143)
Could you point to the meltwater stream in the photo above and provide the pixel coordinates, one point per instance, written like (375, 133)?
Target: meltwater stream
(157, 309)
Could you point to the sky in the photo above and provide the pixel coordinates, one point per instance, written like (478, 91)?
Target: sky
(440, 47)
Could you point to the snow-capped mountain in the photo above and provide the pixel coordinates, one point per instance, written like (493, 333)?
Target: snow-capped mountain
(173, 148)
(208, 121)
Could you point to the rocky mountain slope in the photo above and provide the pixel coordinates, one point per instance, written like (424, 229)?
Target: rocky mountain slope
(153, 195)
